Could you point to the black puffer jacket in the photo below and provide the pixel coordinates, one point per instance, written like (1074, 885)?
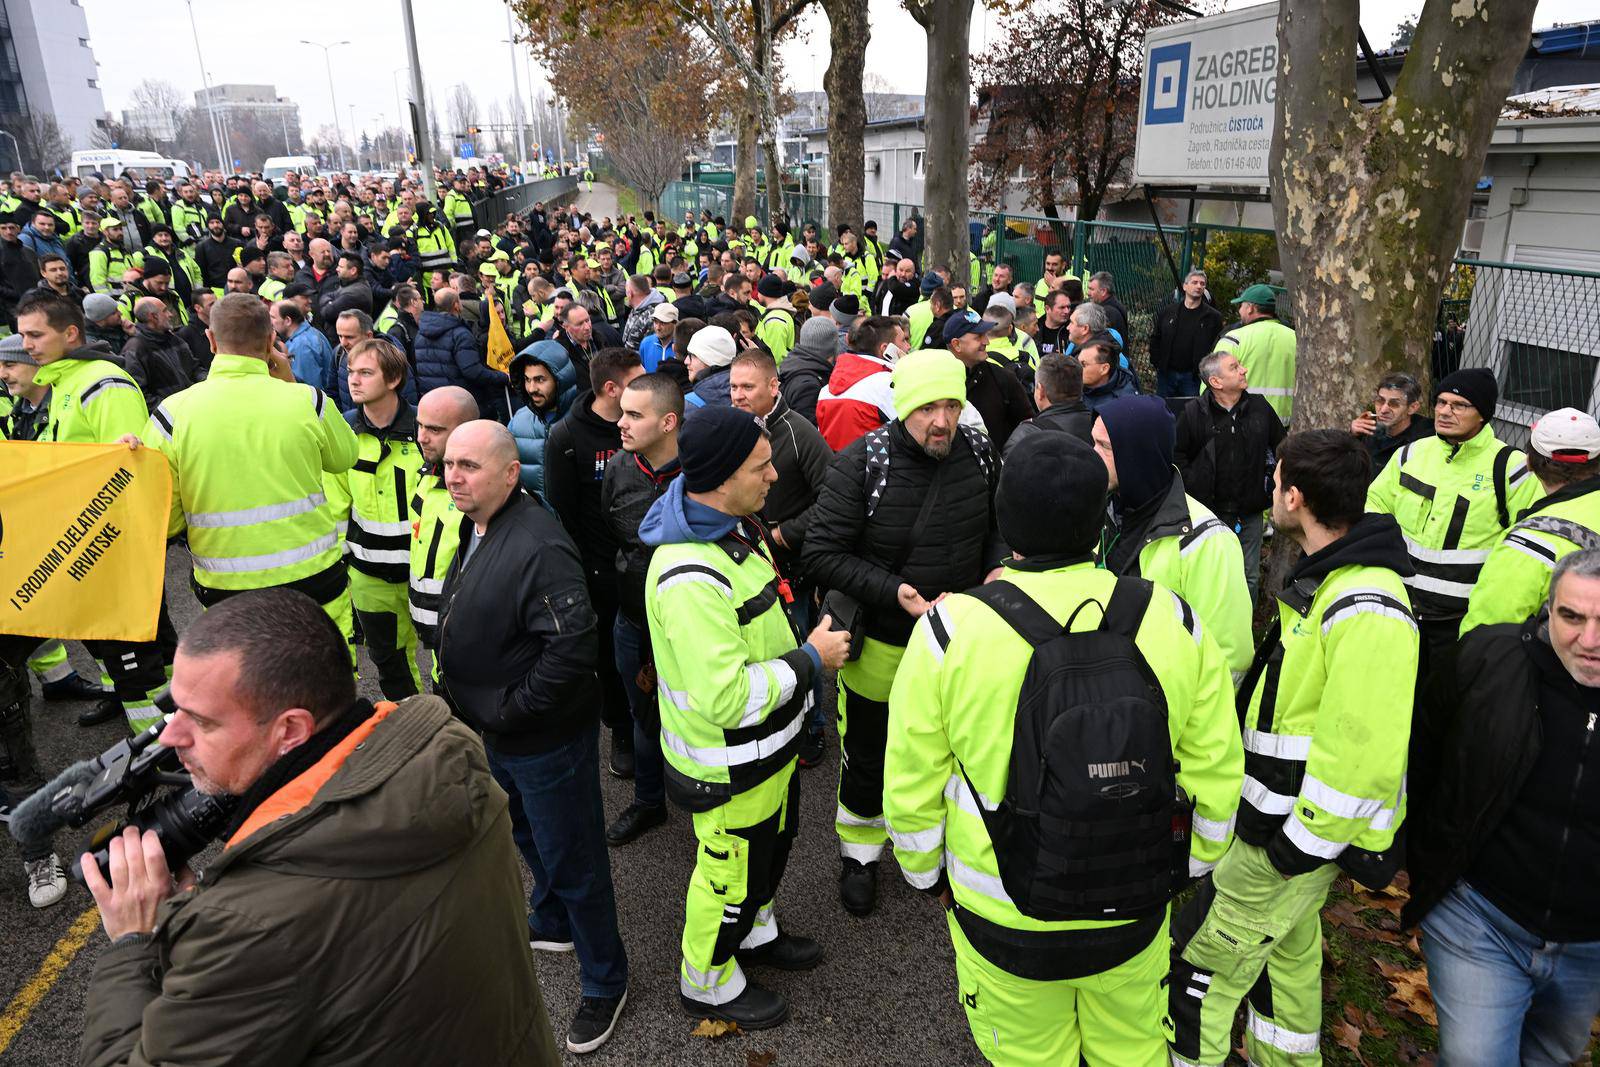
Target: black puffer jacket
(1073, 418)
(1226, 456)
(848, 550)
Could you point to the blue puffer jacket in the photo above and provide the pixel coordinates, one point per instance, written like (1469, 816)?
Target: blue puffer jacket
(530, 427)
(448, 354)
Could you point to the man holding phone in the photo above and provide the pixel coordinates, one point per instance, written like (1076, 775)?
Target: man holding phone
(1392, 422)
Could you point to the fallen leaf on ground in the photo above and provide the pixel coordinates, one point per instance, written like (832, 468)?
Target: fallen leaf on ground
(1410, 990)
(714, 1028)
(1344, 913)
(764, 1058)
(1373, 1026)
(1349, 1036)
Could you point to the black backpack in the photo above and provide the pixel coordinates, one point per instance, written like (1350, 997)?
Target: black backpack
(1094, 824)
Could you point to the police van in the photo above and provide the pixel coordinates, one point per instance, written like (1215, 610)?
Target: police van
(114, 162)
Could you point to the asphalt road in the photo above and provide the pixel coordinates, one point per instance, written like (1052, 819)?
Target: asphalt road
(885, 993)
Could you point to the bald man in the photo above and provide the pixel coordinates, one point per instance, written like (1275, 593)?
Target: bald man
(435, 521)
(240, 281)
(158, 359)
(518, 653)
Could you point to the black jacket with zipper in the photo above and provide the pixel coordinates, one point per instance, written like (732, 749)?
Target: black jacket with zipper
(1073, 418)
(801, 458)
(1226, 455)
(631, 486)
(575, 458)
(517, 640)
(1510, 800)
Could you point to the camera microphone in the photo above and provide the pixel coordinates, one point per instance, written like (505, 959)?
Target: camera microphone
(36, 819)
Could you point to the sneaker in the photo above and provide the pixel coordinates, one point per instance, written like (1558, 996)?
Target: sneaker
(47, 884)
(544, 944)
(621, 764)
(635, 820)
(592, 1025)
(73, 687)
(812, 748)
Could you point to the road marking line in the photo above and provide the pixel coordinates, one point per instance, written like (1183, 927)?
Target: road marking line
(49, 972)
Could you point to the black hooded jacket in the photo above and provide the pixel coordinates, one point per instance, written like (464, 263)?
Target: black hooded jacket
(575, 458)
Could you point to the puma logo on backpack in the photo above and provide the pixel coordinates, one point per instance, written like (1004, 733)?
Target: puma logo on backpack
(1093, 824)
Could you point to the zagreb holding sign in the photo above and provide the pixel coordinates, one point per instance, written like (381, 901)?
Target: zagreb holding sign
(1207, 112)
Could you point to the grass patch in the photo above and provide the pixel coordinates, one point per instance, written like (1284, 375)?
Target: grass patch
(627, 201)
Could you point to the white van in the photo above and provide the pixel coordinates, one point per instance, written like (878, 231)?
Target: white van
(113, 162)
(276, 167)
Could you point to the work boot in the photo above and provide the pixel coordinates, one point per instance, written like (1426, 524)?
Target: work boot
(813, 746)
(858, 887)
(102, 711)
(635, 819)
(622, 752)
(757, 1008)
(786, 952)
(73, 687)
(19, 760)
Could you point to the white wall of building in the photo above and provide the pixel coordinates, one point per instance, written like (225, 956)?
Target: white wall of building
(58, 66)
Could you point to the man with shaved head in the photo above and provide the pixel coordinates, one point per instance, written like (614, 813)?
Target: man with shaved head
(158, 359)
(518, 650)
(435, 521)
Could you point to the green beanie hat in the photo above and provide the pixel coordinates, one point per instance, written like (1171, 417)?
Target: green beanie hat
(925, 376)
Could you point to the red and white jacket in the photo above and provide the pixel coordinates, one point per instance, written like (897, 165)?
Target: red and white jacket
(858, 398)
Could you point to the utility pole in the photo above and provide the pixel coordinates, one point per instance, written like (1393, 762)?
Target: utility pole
(424, 142)
(205, 82)
(337, 133)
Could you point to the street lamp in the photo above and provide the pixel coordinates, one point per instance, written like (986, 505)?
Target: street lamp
(339, 134)
(205, 82)
(402, 114)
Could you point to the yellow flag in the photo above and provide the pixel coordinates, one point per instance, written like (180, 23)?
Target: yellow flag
(500, 351)
(83, 531)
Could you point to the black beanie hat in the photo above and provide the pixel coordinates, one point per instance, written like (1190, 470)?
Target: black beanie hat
(1474, 384)
(713, 443)
(1052, 498)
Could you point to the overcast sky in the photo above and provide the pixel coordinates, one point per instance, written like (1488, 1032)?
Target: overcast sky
(463, 41)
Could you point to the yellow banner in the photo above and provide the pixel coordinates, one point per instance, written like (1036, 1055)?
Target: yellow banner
(83, 531)
(500, 350)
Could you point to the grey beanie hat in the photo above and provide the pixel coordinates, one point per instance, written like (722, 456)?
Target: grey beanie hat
(98, 306)
(819, 334)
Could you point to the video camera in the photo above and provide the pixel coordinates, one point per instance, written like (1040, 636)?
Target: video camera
(141, 773)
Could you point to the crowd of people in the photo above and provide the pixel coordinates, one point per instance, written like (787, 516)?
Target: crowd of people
(731, 466)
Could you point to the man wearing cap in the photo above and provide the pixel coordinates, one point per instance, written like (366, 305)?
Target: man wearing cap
(109, 259)
(734, 681)
(711, 351)
(1265, 347)
(1515, 580)
(657, 346)
(1156, 530)
(1047, 991)
(993, 391)
(874, 539)
(457, 209)
(1454, 495)
(777, 326)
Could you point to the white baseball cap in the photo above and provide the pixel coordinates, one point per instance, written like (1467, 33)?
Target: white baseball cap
(665, 312)
(1567, 435)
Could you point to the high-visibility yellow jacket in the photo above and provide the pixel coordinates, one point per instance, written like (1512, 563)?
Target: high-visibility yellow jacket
(1515, 580)
(371, 502)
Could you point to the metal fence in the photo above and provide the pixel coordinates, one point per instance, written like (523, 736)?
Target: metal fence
(798, 208)
(516, 199)
(1537, 328)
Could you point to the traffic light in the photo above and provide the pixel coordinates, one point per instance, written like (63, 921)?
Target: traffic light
(472, 131)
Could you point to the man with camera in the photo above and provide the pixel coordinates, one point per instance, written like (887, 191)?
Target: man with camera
(363, 840)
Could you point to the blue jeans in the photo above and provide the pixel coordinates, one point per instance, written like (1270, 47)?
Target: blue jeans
(627, 647)
(559, 827)
(1504, 996)
(1177, 383)
(1249, 528)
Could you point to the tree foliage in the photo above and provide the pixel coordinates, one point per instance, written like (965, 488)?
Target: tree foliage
(652, 108)
(1060, 90)
(40, 141)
